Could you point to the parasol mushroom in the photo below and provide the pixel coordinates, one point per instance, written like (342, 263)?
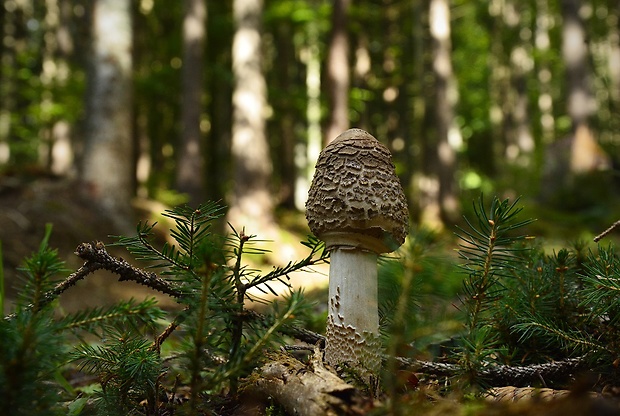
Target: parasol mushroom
(356, 205)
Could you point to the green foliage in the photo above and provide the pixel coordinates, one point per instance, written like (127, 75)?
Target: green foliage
(128, 369)
(582, 316)
(139, 316)
(489, 251)
(31, 349)
(491, 254)
(496, 54)
(1, 279)
(522, 306)
(519, 306)
(209, 343)
(419, 276)
(34, 343)
(220, 339)
(31, 346)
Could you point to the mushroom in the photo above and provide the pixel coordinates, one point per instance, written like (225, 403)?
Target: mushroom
(357, 206)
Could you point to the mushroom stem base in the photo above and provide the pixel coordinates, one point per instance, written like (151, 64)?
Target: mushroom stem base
(360, 352)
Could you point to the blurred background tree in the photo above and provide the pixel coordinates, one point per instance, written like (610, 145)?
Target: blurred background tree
(501, 96)
(106, 171)
(189, 170)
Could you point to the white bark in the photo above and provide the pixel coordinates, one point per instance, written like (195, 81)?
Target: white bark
(442, 205)
(107, 165)
(251, 203)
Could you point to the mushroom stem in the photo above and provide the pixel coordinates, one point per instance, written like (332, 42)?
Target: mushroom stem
(353, 319)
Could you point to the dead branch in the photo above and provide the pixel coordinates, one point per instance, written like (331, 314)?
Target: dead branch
(607, 231)
(95, 253)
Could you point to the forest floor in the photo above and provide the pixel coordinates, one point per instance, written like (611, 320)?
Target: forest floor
(26, 206)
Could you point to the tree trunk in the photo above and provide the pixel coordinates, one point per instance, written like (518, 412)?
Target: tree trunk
(586, 154)
(307, 156)
(285, 116)
(218, 171)
(7, 81)
(251, 203)
(419, 104)
(442, 200)
(190, 159)
(487, 152)
(107, 163)
(575, 52)
(572, 175)
(543, 46)
(520, 142)
(338, 78)
(57, 154)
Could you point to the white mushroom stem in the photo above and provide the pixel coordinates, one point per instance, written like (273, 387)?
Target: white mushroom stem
(353, 289)
(353, 317)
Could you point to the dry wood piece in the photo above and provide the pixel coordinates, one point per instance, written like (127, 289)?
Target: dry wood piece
(514, 394)
(548, 402)
(357, 206)
(307, 389)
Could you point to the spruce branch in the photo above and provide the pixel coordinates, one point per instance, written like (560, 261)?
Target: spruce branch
(279, 320)
(192, 227)
(199, 340)
(569, 339)
(39, 269)
(168, 256)
(602, 280)
(492, 256)
(191, 232)
(280, 273)
(124, 312)
(172, 326)
(31, 341)
(127, 369)
(237, 318)
(47, 298)
(488, 249)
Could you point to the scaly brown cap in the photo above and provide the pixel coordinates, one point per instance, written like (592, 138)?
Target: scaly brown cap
(356, 199)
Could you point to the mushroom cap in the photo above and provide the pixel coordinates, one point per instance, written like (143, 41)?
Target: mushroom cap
(355, 199)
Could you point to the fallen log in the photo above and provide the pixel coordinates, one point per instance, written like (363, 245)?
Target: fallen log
(306, 389)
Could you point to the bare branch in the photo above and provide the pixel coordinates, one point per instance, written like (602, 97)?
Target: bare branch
(96, 254)
(607, 231)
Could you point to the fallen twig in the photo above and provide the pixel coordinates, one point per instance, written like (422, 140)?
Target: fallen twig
(607, 231)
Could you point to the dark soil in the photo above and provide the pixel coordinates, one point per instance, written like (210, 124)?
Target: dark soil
(26, 206)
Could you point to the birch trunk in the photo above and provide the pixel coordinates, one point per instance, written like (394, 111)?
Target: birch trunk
(107, 162)
(251, 202)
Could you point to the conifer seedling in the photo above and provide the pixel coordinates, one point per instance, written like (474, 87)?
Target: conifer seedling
(357, 206)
